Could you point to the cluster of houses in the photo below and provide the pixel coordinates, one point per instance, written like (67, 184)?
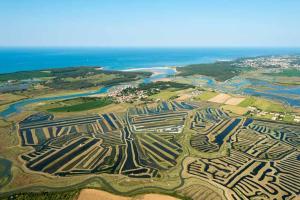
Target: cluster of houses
(274, 115)
(197, 92)
(118, 94)
(297, 119)
(277, 62)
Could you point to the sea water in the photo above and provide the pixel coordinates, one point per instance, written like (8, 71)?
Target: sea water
(20, 59)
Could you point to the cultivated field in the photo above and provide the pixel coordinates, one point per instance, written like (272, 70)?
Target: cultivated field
(226, 99)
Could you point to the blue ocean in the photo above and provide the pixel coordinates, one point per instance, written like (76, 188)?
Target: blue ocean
(20, 59)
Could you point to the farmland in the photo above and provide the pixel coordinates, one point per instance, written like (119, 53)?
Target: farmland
(206, 95)
(263, 104)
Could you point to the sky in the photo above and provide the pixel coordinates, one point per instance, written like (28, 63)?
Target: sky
(139, 23)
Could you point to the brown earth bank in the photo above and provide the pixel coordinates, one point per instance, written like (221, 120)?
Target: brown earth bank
(93, 194)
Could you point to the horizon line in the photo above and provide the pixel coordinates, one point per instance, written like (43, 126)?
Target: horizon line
(71, 46)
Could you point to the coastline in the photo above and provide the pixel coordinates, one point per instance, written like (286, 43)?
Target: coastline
(154, 70)
(28, 59)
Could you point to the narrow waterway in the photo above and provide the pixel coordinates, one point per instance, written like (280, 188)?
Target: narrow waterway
(17, 107)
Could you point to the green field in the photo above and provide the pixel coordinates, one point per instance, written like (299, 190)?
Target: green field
(263, 104)
(165, 95)
(80, 104)
(288, 118)
(206, 95)
(235, 109)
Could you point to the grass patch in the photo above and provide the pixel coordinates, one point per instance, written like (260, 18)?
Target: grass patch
(288, 118)
(206, 95)
(235, 109)
(165, 95)
(263, 104)
(249, 101)
(80, 104)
